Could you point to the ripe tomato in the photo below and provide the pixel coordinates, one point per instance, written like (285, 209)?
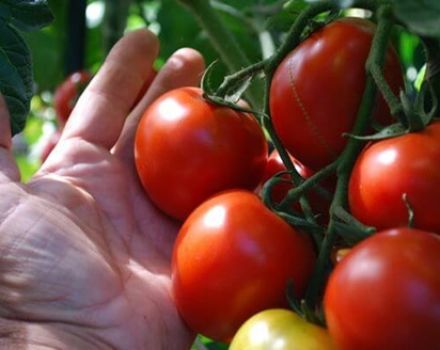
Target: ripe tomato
(274, 165)
(280, 329)
(316, 90)
(385, 294)
(233, 257)
(188, 149)
(389, 168)
(68, 93)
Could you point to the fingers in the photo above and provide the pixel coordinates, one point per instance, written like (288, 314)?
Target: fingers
(184, 68)
(8, 167)
(101, 111)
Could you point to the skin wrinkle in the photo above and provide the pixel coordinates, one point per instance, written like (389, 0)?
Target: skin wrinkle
(312, 126)
(112, 296)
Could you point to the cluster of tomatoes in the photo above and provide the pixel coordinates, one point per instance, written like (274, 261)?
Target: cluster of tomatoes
(201, 163)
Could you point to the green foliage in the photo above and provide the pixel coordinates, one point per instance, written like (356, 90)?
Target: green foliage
(422, 17)
(16, 82)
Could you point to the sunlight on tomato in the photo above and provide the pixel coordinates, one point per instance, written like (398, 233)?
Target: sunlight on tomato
(388, 169)
(316, 90)
(385, 293)
(232, 258)
(188, 149)
(280, 329)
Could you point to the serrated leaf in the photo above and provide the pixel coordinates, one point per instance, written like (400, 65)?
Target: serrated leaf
(421, 16)
(27, 14)
(15, 75)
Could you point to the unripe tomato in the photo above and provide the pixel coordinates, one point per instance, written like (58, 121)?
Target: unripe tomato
(188, 149)
(385, 293)
(316, 90)
(233, 257)
(280, 329)
(68, 93)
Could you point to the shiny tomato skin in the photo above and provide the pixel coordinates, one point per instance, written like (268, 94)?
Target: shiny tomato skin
(280, 329)
(387, 169)
(68, 92)
(187, 149)
(233, 257)
(385, 294)
(316, 90)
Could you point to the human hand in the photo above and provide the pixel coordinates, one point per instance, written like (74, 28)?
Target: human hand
(84, 256)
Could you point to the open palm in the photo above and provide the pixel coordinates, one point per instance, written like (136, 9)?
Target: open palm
(84, 256)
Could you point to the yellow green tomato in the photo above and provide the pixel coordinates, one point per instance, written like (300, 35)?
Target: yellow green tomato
(280, 329)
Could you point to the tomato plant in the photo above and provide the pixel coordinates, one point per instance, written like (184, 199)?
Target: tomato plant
(387, 170)
(232, 258)
(385, 294)
(316, 90)
(68, 93)
(280, 329)
(318, 201)
(188, 149)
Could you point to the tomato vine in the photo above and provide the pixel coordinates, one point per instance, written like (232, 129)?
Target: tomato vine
(411, 115)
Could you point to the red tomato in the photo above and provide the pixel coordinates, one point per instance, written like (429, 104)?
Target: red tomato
(188, 149)
(68, 93)
(389, 168)
(274, 165)
(385, 294)
(316, 90)
(233, 257)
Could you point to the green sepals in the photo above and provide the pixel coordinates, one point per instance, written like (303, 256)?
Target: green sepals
(238, 90)
(388, 132)
(421, 17)
(206, 83)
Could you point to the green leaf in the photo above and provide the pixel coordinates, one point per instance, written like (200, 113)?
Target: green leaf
(421, 16)
(26, 14)
(16, 84)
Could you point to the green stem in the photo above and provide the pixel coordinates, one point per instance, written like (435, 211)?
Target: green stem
(347, 158)
(307, 184)
(224, 42)
(115, 21)
(232, 79)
